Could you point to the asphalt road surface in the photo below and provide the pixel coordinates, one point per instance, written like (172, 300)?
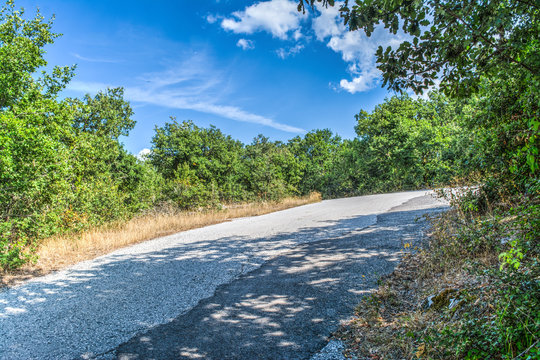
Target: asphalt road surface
(266, 287)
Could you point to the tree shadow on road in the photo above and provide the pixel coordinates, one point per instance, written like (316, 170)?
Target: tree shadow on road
(252, 307)
(288, 307)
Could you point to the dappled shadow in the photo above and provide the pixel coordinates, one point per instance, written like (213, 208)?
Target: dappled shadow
(286, 307)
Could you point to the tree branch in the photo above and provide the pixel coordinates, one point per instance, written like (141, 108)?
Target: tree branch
(483, 37)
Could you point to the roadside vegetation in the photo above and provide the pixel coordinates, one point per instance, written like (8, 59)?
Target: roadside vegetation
(62, 250)
(472, 292)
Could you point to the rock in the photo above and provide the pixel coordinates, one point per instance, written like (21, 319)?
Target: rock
(426, 304)
(442, 299)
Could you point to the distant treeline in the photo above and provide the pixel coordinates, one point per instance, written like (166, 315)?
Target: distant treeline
(404, 144)
(63, 169)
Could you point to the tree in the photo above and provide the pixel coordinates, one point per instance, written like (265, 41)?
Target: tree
(62, 168)
(34, 129)
(21, 55)
(458, 42)
(270, 170)
(408, 144)
(201, 162)
(107, 114)
(471, 47)
(315, 152)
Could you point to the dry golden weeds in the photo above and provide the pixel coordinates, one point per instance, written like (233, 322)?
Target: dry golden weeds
(59, 252)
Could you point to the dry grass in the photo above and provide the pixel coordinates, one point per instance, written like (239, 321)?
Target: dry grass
(59, 252)
(397, 321)
(383, 319)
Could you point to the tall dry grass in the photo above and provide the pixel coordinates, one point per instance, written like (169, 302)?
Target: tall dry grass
(58, 252)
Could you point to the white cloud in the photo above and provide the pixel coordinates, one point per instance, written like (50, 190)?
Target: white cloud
(281, 19)
(143, 154)
(355, 48)
(297, 35)
(245, 44)
(190, 85)
(285, 53)
(212, 18)
(278, 17)
(327, 23)
(365, 80)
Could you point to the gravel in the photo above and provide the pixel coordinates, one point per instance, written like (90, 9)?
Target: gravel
(332, 351)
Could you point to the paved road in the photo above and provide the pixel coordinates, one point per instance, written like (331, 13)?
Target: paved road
(268, 287)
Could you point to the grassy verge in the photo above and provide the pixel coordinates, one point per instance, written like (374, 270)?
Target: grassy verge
(58, 252)
(472, 293)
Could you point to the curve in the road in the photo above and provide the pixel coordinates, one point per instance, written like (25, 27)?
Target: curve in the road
(273, 286)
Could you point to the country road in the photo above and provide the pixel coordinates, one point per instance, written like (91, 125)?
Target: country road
(267, 287)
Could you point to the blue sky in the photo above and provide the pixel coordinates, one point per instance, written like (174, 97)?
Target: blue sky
(247, 67)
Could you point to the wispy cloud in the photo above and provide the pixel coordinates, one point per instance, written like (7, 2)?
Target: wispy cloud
(96, 60)
(172, 100)
(291, 51)
(88, 86)
(245, 44)
(211, 18)
(190, 85)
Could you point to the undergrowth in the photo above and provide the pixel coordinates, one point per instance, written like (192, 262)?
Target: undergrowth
(474, 292)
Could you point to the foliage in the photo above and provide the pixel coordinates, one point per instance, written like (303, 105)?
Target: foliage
(403, 144)
(61, 166)
(458, 42)
(409, 144)
(490, 49)
(107, 114)
(453, 300)
(21, 54)
(200, 163)
(316, 152)
(498, 315)
(270, 169)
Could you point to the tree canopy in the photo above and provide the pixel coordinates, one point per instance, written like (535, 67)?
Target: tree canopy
(454, 42)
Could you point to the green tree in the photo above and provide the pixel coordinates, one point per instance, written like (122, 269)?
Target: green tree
(203, 163)
(62, 168)
(34, 129)
(407, 144)
(270, 170)
(316, 152)
(22, 52)
(107, 114)
(471, 47)
(458, 42)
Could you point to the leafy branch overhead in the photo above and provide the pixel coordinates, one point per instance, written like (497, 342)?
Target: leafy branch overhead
(454, 42)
